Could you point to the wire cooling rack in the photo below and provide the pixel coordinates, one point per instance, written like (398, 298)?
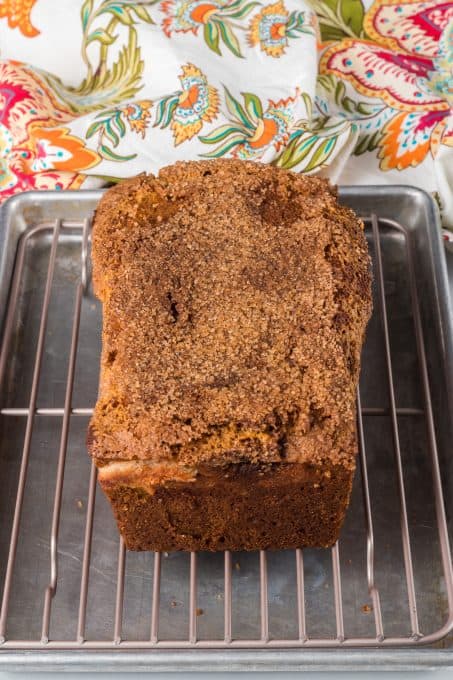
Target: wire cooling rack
(69, 583)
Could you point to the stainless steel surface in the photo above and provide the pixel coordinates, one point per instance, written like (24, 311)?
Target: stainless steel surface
(73, 594)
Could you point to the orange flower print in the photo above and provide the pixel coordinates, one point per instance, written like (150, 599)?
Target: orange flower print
(109, 128)
(55, 149)
(272, 27)
(26, 101)
(407, 69)
(188, 15)
(137, 115)
(216, 18)
(408, 138)
(18, 14)
(252, 130)
(189, 108)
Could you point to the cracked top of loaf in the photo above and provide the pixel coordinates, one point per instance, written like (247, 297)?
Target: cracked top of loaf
(235, 298)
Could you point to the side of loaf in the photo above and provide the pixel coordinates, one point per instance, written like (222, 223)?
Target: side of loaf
(235, 300)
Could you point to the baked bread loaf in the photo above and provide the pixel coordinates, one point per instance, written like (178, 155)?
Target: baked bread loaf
(235, 299)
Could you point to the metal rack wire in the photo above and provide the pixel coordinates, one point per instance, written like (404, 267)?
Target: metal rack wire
(303, 639)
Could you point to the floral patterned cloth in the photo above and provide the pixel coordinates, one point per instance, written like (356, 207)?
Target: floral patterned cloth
(359, 90)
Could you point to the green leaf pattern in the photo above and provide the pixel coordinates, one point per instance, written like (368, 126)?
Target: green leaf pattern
(306, 145)
(336, 98)
(220, 20)
(339, 19)
(109, 128)
(299, 132)
(273, 26)
(254, 126)
(107, 84)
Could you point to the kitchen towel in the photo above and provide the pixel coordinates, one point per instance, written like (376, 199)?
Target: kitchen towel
(94, 91)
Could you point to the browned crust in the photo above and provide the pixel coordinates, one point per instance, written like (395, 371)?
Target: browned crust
(235, 300)
(237, 507)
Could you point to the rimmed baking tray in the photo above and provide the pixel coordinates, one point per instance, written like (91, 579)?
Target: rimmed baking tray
(74, 598)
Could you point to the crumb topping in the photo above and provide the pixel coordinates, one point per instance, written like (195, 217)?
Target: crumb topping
(235, 300)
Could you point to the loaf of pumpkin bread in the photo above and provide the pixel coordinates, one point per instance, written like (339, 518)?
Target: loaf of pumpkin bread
(235, 299)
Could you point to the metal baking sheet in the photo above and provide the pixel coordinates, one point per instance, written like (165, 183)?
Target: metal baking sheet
(113, 640)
